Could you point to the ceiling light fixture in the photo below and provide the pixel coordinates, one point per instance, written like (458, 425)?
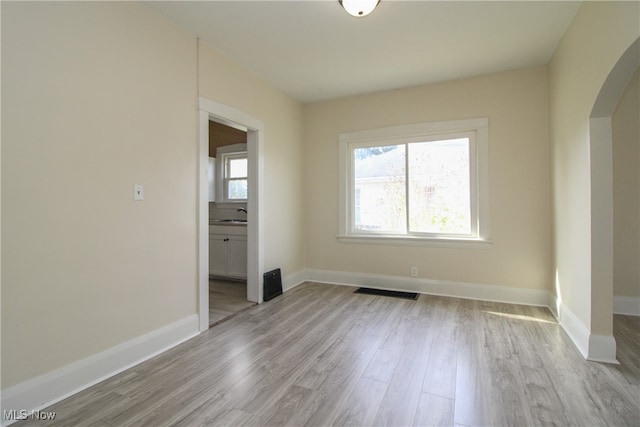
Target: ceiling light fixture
(359, 8)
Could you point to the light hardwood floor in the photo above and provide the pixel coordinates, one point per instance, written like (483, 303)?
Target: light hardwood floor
(320, 355)
(226, 298)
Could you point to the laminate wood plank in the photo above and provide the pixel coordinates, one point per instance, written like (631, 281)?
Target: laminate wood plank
(495, 335)
(212, 408)
(434, 411)
(186, 399)
(400, 402)
(508, 389)
(366, 331)
(302, 345)
(235, 417)
(84, 411)
(287, 408)
(244, 374)
(611, 398)
(387, 357)
(101, 423)
(250, 371)
(314, 356)
(472, 378)
(226, 298)
(574, 382)
(440, 376)
(627, 334)
(245, 347)
(545, 405)
(361, 405)
(505, 329)
(351, 362)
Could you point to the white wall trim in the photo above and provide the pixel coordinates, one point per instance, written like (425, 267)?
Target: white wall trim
(292, 280)
(230, 116)
(203, 220)
(477, 291)
(629, 306)
(602, 348)
(45, 390)
(576, 330)
(596, 348)
(479, 172)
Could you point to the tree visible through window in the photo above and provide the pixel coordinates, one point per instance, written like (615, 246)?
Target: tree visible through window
(414, 187)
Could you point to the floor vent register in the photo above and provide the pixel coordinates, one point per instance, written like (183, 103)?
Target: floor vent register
(272, 284)
(384, 293)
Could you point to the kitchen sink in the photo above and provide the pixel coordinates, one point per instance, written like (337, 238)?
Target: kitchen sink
(230, 221)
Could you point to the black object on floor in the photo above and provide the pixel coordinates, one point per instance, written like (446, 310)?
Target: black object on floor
(272, 284)
(384, 293)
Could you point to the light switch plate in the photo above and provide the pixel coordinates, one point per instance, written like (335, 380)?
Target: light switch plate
(138, 192)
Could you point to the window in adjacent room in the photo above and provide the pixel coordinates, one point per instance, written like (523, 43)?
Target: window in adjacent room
(235, 176)
(233, 173)
(415, 183)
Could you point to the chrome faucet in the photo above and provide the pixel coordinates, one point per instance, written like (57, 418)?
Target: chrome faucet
(241, 210)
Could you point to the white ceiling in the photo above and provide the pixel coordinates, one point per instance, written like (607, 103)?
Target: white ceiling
(314, 50)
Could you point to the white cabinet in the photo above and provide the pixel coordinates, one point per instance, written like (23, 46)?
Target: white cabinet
(217, 255)
(237, 256)
(228, 251)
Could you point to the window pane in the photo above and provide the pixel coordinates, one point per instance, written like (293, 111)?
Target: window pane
(379, 191)
(439, 189)
(237, 168)
(237, 189)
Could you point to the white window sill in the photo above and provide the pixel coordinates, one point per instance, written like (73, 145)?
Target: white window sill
(445, 242)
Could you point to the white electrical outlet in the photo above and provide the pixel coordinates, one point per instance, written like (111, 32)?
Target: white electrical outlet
(138, 192)
(414, 271)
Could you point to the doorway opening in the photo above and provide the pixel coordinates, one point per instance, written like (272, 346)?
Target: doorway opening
(211, 111)
(602, 345)
(228, 189)
(227, 298)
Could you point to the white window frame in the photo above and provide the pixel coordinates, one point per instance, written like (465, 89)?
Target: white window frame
(223, 154)
(478, 129)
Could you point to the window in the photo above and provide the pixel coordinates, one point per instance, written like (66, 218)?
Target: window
(235, 176)
(415, 183)
(232, 166)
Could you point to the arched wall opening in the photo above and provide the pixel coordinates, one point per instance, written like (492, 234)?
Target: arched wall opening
(602, 345)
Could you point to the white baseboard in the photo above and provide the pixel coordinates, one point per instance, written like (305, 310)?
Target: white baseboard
(596, 348)
(629, 306)
(576, 330)
(477, 291)
(290, 281)
(47, 389)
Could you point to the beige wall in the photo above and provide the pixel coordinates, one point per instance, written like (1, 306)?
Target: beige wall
(626, 193)
(100, 96)
(596, 39)
(516, 105)
(97, 97)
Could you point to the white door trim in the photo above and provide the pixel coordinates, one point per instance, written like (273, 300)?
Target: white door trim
(211, 110)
